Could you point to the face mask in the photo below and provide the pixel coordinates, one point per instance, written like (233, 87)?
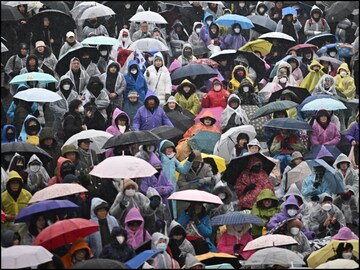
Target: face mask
(171, 155)
(246, 89)
(161, 246)
(294, 230)
(326, 207)
(32, 128)
(10, 136)
(283, 80)
(150, 148)
(19, 168)
(242, 5)
(217, 87)
(81, 109)
(347, 255)
(130, 192)
(127, 6)
(122, 128)
(133, 71)
(222, 196)
(208, 22)
(197, 30)
(332, 54)
(124, 38)
(343, 73)
(291, 212)
(237, 30)
(261, 10)
(120, 239)
(103, 53)
(66, 87)
(34, 168)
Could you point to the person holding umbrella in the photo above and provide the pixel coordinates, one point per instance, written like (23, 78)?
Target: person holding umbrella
(289, 24)
(93, 27)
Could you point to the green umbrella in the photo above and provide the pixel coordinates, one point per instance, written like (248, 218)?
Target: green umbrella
(280, 105)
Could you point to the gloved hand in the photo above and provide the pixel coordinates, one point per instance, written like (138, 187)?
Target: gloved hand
(191, 156)
(154, 202)
(316, 184)
(249, 187)
(124, 203)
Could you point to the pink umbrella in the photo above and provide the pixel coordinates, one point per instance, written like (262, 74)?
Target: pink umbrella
(206, 61)
(56, 191)
(194, 195)
(217, 114)
(270, 240)
(123, 167)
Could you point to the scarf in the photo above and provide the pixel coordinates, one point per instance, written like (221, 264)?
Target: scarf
(111, 81)
(288, 28)
(104, 232)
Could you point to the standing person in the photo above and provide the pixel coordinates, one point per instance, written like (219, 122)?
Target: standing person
(135, 81)
(194, 39)
(214, 9)
(120, 123)
(143, 32)
(134, 225)
(73, 119)
(290, 25)
(316, 25)
(275, 13)
(47, 60)
(78, 75)
(93, 27)
(217, 96)
(38, 178)
(162, 260)
(87, 155)
(178, 31)
(234, 40)
(187, 98)
(32, 65)
(132, 105)
(69, 44)
(30, 130)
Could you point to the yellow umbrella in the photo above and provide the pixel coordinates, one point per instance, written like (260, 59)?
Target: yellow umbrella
(322, 255)
(260, 45)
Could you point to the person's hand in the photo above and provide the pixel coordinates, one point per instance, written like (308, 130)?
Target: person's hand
(84, 127)
(124, 203)
(191, 156)
(333, 219)
(205, 96)
(353, 142)
(327, 221)
(317, 33)
(113, 95)
(88, 113)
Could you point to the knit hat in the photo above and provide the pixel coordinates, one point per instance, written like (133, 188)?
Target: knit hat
(296, 155)
(70, 148)
(40, 43)
(295, 223)
(129, 182)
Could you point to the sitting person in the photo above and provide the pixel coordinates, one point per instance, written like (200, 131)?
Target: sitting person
(217, 96)
(79, 251)
(187, 98)
(233, 115)
(324, 131)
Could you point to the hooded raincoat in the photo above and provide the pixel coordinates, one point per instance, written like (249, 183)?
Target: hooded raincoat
(189, 101)
(137, 238)
(138, 83)
(114, 129)
(311, 80)
(234, 83)
(346, 84)
(215, 98)
(233, 117)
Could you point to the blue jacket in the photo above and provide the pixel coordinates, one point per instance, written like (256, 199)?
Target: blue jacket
(23, 135)
(233, 41)
(326, 186)
(139, 85)
(4, 138)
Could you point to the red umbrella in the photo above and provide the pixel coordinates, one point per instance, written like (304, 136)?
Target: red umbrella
(206, 61)
(64, 232)
(302, 46)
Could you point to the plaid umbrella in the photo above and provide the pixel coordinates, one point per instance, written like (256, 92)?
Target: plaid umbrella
(236, 218)
(204, 141)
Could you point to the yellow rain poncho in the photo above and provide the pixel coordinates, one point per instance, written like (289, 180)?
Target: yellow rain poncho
(311, 80)
(346, 84)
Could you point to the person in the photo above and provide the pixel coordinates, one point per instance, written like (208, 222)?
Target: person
(30, 130)
(134, 225)
(284, 71)
(10, 238)
(47, 60)
(212, 38)
(312, 78)
(347, 203)
(69, 44)
(316, 25)
(325, 86)
(78, 75)
(290, 25)
(71, 152)
(193, 13)
(187, 55)
(223, 191)
(326, 219)
(191, 262)
(162, 260)
(344, 82)
(217, 96)
(8, 134)
(207, 123)
(32, 65)
(247, 95)
(178, 31)
(93, 27)
(73, 120)
(99, 213)
(275, 13)
(262, 10)
(124, 38)
(86, 60)
(344, 251)
(64, 167)
(317, 183)
(18, 163)
(105, 58)
(86, 154)
(118, 249)
(328, 68)
(234, 40)
(352, 137)
(132, 105)
(143, 32)
(78, 252)
(345, 170)
(38, 177)
(187, 98)
(239, 73)
(265, 207)
(37, 223)
(324, 131)
(241, 146)
(135, 81)
(194, 39)
(120, 123)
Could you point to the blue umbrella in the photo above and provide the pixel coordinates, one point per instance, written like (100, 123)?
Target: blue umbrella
(328, 104)
(230, 19)
(101, 40)
(26, 213)
(288, 123)
(142, 257)
(204, 141)
(288, 10)
(33, 76)
(320, 40)
(236, 218)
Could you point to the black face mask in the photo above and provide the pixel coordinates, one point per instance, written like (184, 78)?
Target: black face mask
(10, 136)
(19, 168)
(67, 169)
(256, 168)
(32, 129)
(85, 61)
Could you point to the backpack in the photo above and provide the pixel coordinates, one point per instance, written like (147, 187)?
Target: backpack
(322, 23)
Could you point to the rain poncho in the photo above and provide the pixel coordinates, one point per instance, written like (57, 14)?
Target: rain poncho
(39, 179)
(311, 80)
(346, 84)
(329, 135)
(351, 177)
(321, 89)
(84, 77)
(24, 135)
(201, 126)
(183, 59)
(215, 98)
(4, 138)
(312, 27)
(192, 103)
(162, 260)
(139, 84)
(113, 129)
(67, 259)
(234, 83)
(185, 246)
(137, 238)
(326, 185)
(233, 117)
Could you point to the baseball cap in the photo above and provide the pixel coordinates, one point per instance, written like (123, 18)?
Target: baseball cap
(70, 34)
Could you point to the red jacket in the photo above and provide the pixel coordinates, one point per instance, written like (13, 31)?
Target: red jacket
(214, 98)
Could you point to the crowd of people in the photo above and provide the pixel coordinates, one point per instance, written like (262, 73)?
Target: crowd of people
(301, 182)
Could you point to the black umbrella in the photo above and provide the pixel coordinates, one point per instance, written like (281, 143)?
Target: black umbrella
(340, 10)
(262, 24)
(62, 66)
(239, 164)
(280, 105)
(180, 120)
(132, 137)
(9, 13)
(99, 264)
(25, 149)
(255, 62)
(288, 123)
(176, 3)
(300, 92)
(166, 132)
(58, 5)
(203, 72)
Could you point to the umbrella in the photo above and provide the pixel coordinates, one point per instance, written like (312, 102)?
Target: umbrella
(58, 5)
(228, 53)
(288, 123)
(299, 47)
(239, 164)
(226, 144)
(186, 72)
(230, 19)
(258, 123)
(100, 40)
(280, 105)
(38, 95)
(206, 61)
(220, 266)
(255, 62)
(166, 132)
(328, 104)
(236, 218)
(262, 24)
(24, 256)
(148, 44)
(339, 264)
(322, 255)
(33, 76)
(79, 9)
(318, 151)
(321, 40)
(96, 11)
(4, 48)
(212, 258)
(132, 137)
(62, 66)
(176, 3)
(277, 35)
(180, 120)
(16, 3)
(288, 10)
(270, 240)
(140, 258)
(26, 213)
(260, 45)
(334, 62)
(204, 3)
(148, 16)
(338, 11)
(204, 141)
(123, 167)
(98, 139)
(274, 255)
(65, 231)
(195, 195)
(57, 191)
(98, 263)
(300, 92)
(297, 175)
(9, 14)
(25, 149)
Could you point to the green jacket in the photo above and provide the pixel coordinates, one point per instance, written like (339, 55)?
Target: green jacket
(193, 103)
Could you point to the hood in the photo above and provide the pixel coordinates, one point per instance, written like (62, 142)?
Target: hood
(3, 133)
(121, 34)
(113, 63)
(117, 112)
(341, 158)
(156, 237)
(315, 63)
(260, 4)
(216, 79)
(195, 24)
(294, 97)
(284, 64)
(206, 114)
(133, 62)
(80, 244)
(291, 200)
(266, 194)
(183, 83)
(149, 94)
(33, 158)
(173, 225)
(293, 190)
(14, 159)
(343, 66)
(322, 196)
(59, 164)
(233, 97)
(13, 175)
(187, 45)
(165, 144)
(116, 231)
(316, 8)
(172, 99)
(252, 161)
(177, 22)
(191, 261)
(95, 202)
(151, 192)
(321, 84)
(134, 214)
(206, 15)
(32, 56)
(47, 133)
(159, 55)
(222, 187)
(324, 152)
(92, 81)
(236, 69)
(63, 79)
(254, 142)
(25, 123)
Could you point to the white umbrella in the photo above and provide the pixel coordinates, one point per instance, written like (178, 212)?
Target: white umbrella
(4, 48)
(101, 40)
(148, 16)
(38, 95)
(21, 256)
(16, 3)
(96, 11)
(148, 44)
(204, 4)
(98, 138)
(274, 255)
(270, 240)
(79, 9)
(227, 52)
(339, 264)
(277, 35)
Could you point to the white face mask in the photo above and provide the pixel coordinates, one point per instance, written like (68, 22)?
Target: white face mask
(291, 212)
(81, 109)
(171, 155)
(161, 246)
(127, 6)
(347, 255)
(343, 73)
(246, 89)
(66, 87)
(294, 230)
(283, 80)
(332, 54)
(237, 30)
(133, 71)
(34, 168)
(124, 38)
(122, 128)
(150, 148)
(130, 192)
(242, 5)
(103, 53)
(120, 239)
(326, 207)
(222, 196)
(208, 22)
(197, 30)
(217, 88)
(261, 10)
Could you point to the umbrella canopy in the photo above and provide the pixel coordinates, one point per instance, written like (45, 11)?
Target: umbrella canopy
(333, 61)
(33, 76)
(339, 11)
(277, 35)
(4, 48)
(140, 258)
(288, 123)
(80, 8)
(288, 11)
(216, 111)
(274, 255)
(132, 137)
(16, 3)
(176, 3)
(38, 95)
(236, 218)
(257, 123)
(58, 5)
(166, 132)
(194, 195)
(328, 104)
(228, 53)
(56, 191)
(23, 256)
(262, 24)
(100, 40)
(270, 240)
(96, 11)
(230, 19)
(123, 167)
(319, 151)
(186, 72)
(26, 213)
(260, 45)
(339, 264)
(25, 149)
(148, 16)
(214, 160)
(212, 258)
(275, 106)
(299, 47)
(297, 175)
(64, 232)
(98, 139)
(180, 120)
(226, 144)
(148, 44)
(300, 92)
(255, 62)
(10, 14)
(321, 40)
(322, 255)
(206, 61)
(98, 263)
(204, 141)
